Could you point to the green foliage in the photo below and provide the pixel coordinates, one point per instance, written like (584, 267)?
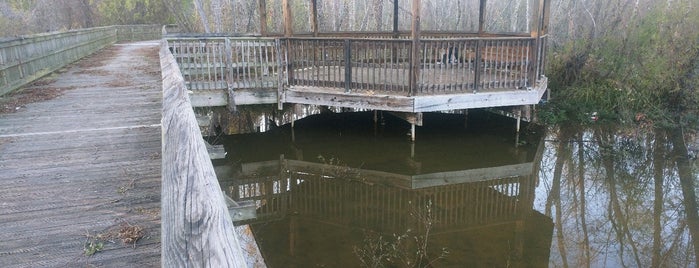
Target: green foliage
(114, 12)
(637, 72)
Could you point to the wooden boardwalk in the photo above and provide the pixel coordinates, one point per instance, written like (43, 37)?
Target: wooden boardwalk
(81, 171)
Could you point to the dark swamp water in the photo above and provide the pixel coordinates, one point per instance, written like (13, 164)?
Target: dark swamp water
(338, 190)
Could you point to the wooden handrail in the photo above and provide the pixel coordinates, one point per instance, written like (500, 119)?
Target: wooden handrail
(27, 58)
(197, 230)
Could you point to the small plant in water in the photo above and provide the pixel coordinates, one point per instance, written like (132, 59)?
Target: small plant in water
(405, 250)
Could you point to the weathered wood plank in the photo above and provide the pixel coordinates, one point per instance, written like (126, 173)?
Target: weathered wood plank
(478, 100)
(61, 173)
(303, 95)
(196, 226)
(471, 175)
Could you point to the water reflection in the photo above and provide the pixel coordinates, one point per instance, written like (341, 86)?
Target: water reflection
(621, 198)
(338, 190)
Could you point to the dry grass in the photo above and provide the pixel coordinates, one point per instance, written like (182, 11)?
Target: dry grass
(150, 54)
(125, 233)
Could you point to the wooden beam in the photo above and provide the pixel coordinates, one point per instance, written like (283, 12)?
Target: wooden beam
(306, 95)
(535, 18)
(514, 97)
(212, 98)
(412, 118)
(471, 175)
(546, 14)
(288, 18)
(262, 4)
(415, 53)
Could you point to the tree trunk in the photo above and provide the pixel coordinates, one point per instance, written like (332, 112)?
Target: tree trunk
(658, 168)
(684, 170)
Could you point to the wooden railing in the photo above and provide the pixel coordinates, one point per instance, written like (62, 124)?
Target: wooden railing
(373, 64)
(197, 230)
(25, 59)
(228, 63)
(143, 32)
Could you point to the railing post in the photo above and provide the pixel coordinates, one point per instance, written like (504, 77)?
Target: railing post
(348, 65)
(229, 74)
(533, 62)
(280, 73)
(289, 62)
(477, 66)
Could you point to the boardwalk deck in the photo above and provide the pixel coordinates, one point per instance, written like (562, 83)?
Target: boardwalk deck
(79, 168)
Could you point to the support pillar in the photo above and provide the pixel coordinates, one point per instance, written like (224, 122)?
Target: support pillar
(519, 119)
(412, 132)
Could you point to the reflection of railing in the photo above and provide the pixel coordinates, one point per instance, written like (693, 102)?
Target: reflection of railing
(350, 196)
(445, 66)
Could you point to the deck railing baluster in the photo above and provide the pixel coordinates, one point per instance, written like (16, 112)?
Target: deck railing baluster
(348, 65)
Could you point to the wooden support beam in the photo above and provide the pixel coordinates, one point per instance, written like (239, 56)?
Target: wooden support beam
(262, 4)
(412, 132)
(288, 18)
(412, 118)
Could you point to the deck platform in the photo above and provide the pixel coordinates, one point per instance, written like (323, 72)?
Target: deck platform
(79, 169)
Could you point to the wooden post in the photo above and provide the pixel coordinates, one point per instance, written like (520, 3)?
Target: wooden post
(314, 17)
(395, 18)
(412, 132)
(415, 54)
(481, 17)
(534, 53)
(519, 118)
(288, 18)
(263, 17)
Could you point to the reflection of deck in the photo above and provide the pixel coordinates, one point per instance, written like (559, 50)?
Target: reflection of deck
(316, 188)
(276, 186)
